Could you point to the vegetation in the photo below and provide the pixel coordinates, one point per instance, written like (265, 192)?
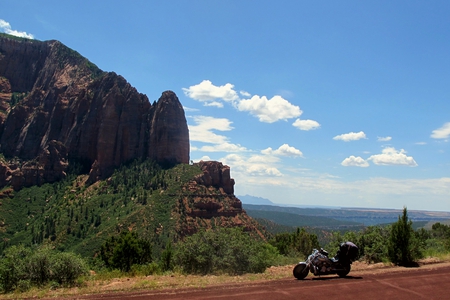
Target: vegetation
(127, 222)
(79, 218)
(300, 243)
(403, 247)
(125, 251)
(22, 267)
(224, 251)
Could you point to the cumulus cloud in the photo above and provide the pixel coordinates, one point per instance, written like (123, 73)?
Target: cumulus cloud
(269, 110)
(283, 150)
(206, 92)
(442, 132)
(390, 156)
(253, 165)
(6, 28)
(306, 124)
(266, 110)
(354, 161)
(351, 136)
(384, 139)
(203, 132)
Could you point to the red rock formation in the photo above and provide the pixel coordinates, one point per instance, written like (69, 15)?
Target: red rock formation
(68, 109)
(217, 175)
(208, 201)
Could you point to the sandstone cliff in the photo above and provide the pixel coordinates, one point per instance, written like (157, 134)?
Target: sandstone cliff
(57, 107)
(208, 201)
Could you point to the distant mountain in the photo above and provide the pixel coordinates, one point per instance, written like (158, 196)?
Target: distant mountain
(247, 199)
(365, 216)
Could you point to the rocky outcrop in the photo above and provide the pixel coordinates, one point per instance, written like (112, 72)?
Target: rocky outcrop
(217, 175)
(57, 107)
(208, 201)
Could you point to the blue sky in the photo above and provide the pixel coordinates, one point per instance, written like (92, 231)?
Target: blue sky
(336, 103)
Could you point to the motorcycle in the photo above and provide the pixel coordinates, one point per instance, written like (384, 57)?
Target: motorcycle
(318, 262)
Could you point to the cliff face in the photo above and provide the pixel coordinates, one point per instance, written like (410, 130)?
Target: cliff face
(55, 106)
(208, 201)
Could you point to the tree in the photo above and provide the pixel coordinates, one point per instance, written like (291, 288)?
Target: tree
(126, 250)
(402, 247)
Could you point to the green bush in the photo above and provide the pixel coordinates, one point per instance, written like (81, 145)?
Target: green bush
(373, 244)
(21, 267)
(67, 267)
(125, 251)
(298, 243)
(13, 269)
(223, 251)
(38, 266)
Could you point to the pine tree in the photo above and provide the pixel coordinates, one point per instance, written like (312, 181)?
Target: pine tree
(400, 247)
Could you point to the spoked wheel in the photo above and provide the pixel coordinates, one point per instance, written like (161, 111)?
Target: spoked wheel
(300, 271)
(345, 271)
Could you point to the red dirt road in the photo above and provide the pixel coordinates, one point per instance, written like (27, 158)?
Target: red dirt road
(431, 282)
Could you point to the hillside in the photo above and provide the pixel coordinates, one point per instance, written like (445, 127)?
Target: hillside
(160, 204)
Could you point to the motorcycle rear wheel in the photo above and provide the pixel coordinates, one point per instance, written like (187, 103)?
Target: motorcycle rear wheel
(344, 272)
(300, 271)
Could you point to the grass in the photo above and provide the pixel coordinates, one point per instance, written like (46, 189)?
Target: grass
(101, 283)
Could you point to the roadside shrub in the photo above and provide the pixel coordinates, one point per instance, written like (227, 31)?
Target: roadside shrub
(67, 267)
(167, 258)
(298, 243)
(373, 244)
(21, 268)
(38, 266)
(125, 250)
(223, 251)
(13, 269)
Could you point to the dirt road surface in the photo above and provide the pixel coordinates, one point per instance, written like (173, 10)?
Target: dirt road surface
(429, 282)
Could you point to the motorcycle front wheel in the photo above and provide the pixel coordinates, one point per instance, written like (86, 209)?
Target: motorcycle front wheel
(345, 271)
(300, 271)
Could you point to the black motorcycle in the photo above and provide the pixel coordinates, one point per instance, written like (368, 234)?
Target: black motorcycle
(318, 262)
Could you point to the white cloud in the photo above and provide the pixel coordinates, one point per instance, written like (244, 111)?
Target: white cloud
(306, 124)
(260, 166)
(203, 132)
(205, 91)
(354, 161)
(390, 156)
(283, 150)
(351, 136)
(189, 109)
(269, 110)
(442, 133)
(223, 147)
(6, 28)
(384, 139)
